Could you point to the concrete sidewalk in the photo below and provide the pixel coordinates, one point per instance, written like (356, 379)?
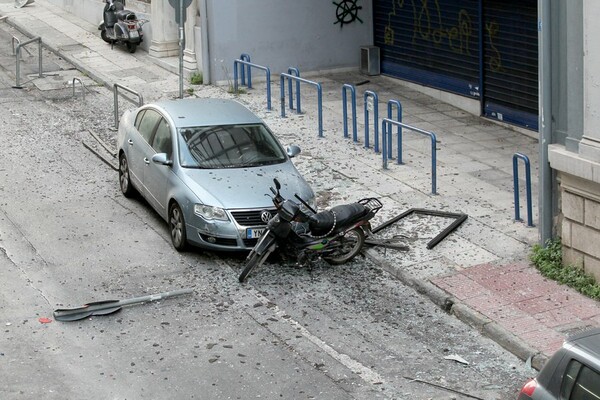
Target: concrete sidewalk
(479, 272)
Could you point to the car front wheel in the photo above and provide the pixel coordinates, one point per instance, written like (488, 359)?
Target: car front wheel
(177, 227)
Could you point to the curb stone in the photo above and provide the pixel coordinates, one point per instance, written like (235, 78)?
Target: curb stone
(465, 314)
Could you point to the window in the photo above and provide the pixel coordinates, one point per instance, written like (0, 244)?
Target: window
(580, 383)
(138, 119)
(162, 139)
(147, 123)
(229, 146)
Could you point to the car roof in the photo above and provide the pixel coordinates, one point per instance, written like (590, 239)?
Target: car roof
(588, 341)
(206, 112)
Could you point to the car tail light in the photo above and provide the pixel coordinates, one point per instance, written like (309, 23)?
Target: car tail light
(529, 387)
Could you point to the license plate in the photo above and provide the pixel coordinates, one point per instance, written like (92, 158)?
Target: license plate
(254, 233)
(134, 34)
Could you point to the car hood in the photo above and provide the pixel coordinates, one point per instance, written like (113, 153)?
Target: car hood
(245, 187)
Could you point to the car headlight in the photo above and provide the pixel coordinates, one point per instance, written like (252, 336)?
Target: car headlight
(209, 212)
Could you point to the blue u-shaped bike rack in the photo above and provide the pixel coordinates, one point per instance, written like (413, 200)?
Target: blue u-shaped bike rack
(373, 95)
(525, 159)
(246, 57)
(387, 122)
(319, 96)
(390, 109)
(248, 65)
(294, 72)
(352, 89)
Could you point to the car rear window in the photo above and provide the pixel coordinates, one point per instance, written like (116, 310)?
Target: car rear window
(580, 382)
(229, 146)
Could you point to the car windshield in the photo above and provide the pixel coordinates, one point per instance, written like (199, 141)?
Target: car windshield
(228, 146)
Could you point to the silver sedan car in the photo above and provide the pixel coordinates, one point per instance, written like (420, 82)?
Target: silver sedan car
(206, 165)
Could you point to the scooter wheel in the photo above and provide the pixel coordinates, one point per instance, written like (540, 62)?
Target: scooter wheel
(131, 47)
(104, 36)
(349, 246)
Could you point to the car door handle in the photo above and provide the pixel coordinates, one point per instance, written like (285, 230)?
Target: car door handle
(130, 142)
(146, 160)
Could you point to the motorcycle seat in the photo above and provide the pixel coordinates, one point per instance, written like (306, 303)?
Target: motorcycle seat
(322, 222)
(126, 15)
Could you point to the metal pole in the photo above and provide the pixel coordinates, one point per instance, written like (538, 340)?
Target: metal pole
(181, 45)
(545, 119)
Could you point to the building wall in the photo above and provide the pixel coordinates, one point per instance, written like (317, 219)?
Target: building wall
(275, 33)
(285, 33)
(91, 12)
(576, 162)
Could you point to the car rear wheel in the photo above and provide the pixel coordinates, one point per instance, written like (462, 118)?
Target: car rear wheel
(124, 179)
(177, 228)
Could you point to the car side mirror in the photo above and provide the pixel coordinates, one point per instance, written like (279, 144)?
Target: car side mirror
(162, 159)
(293, 151)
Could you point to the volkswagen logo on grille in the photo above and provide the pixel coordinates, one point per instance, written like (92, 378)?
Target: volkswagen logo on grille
(265, 216)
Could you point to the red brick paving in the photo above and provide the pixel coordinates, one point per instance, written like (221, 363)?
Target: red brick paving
(537, 310)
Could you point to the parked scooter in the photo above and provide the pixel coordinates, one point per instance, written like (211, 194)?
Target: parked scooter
(336, 235)
(121, 26)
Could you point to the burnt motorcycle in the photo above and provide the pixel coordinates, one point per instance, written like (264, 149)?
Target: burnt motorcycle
(336, 235)
(120, 26)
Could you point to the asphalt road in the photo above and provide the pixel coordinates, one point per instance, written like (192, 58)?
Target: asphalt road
(68, 237)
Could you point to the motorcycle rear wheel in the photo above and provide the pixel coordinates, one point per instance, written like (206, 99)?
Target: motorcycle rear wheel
(349, 246)
(131, 47)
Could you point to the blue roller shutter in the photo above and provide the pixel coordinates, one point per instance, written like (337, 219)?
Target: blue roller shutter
(510, 68)
(483, 49)
(434, 43)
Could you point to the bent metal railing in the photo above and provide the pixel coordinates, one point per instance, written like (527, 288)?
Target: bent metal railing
(319, 97)
(116, 87)
(387, 123)
(249, 67)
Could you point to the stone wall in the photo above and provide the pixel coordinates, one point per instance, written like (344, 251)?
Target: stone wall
(579, 218)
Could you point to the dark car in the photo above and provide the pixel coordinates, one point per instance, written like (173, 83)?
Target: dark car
(572, 373)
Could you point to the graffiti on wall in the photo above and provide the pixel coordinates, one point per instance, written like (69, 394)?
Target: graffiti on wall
(495, 58)
(428, 25)
(347, 12)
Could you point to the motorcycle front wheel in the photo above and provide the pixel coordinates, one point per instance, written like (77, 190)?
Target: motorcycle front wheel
(104, 36)
(256, 260)
(349, 246)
